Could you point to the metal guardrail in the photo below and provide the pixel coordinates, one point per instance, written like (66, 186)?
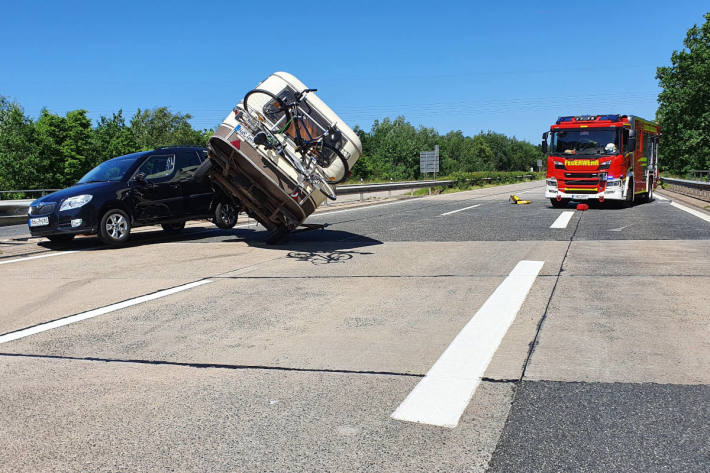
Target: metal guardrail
(41, 192)
(390, 186)
(697, 189)
(13, 212)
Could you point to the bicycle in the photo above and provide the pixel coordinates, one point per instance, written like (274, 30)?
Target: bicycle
(316, 152)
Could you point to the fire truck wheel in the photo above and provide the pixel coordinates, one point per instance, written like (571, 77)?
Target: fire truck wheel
(630, 194)
(649, 194)
(561, 204)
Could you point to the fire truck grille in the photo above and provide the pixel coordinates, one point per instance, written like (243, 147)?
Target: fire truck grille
(593, 175)
(581, 182)
(580, 191)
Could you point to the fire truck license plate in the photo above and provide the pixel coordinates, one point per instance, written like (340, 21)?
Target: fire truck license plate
(580, 197)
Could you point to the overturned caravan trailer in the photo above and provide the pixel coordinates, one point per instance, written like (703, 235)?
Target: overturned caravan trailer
(266, 185)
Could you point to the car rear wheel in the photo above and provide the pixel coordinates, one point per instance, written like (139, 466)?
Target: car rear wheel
(115, 227)
(225, 215)
(176, 227)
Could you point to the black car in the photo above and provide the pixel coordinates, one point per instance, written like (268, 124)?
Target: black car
(145, 188)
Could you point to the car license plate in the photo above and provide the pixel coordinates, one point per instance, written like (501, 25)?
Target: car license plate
(39, 221)
(580, 197)
(245, 134)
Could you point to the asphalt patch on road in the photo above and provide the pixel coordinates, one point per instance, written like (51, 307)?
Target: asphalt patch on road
(620, 427)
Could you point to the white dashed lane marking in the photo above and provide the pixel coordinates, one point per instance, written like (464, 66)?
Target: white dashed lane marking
(563, 219)
(460, 210)
(28, 258)
(8, 337)
(443, 394)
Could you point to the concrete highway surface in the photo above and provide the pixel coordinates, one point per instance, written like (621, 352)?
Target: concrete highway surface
(445, 333)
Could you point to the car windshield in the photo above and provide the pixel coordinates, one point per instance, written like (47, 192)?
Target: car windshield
(112, 170)
(590, 141)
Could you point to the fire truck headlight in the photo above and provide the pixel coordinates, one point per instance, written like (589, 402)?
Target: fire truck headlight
(552, 182)
(605, 164)
(613, 182)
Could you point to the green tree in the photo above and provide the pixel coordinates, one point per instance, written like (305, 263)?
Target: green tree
(684, 103)
(76, 147)
(479, 157)
(111, 138)
(19, 166)
(50, 131)
(160, 127)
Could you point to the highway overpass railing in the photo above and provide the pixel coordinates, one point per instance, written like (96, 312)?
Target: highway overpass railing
(363, 189)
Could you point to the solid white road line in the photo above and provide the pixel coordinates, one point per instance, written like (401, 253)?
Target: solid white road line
(96, 312)
(460, 210)
(443, 394)
(660, 197)
(563, 219)
(27, 258)
(698, 214)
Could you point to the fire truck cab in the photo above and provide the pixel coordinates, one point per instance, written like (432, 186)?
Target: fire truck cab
(603, 157)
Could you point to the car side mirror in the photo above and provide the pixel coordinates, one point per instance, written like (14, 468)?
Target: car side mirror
(544, 143)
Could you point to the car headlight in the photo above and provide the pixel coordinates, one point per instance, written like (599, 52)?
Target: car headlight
(76, 202)
(552, 182)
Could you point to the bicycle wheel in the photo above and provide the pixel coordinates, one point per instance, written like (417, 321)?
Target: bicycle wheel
(325, 155)
(265, 105)
(320, 182)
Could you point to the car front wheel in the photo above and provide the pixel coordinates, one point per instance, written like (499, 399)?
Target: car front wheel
(115, 227)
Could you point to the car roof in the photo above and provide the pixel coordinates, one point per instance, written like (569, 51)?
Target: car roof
(178, 148)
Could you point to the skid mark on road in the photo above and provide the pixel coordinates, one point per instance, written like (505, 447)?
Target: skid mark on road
(442, 396)
(8, 337)
(563, 219)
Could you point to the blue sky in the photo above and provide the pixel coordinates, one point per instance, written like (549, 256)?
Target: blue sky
(510, 67)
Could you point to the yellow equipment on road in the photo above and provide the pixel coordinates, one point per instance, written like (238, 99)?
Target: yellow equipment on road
(514, 199)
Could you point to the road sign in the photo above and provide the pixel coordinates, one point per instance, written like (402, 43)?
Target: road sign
(429, 161)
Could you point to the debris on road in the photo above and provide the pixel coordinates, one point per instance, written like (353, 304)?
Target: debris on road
(514, 199)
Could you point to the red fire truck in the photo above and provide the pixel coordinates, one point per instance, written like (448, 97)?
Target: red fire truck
(604, 157)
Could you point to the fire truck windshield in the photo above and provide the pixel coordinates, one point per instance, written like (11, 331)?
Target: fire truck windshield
(587, 141)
